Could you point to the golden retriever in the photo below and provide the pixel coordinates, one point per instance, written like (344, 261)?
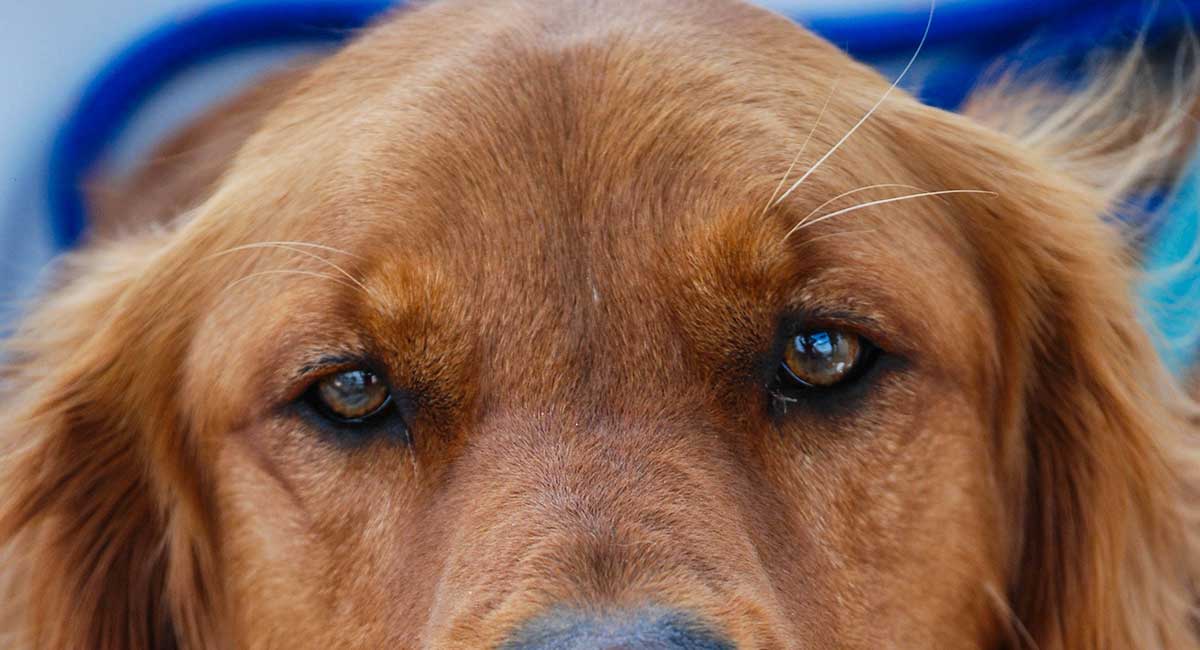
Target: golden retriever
(570, 324)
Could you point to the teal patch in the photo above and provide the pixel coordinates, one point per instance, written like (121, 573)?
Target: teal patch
(1171, 285)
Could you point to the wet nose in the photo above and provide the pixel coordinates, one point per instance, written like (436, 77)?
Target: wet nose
(650, 629)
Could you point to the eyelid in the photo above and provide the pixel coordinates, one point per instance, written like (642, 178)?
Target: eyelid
(865, 327)
(827, 299)
(314, 371)
(898, 345)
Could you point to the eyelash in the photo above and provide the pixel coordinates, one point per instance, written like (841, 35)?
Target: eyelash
(312, 396)
(388, 420)
(843, 398)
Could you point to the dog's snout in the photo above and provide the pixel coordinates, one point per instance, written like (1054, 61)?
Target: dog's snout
(651, 629)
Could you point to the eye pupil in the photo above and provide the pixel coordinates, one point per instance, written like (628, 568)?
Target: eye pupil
(817, 345)
(352, 395)
(822, 358)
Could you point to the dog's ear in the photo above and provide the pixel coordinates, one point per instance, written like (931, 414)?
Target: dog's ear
(1100, 451)
(105, 516)
(1094, 445)
(1124, 129)
(107, 526)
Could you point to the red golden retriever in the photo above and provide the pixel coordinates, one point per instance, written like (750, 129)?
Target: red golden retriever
(504, 328)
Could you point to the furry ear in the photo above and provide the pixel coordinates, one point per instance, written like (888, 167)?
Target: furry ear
(1095, 445)
(1124, 130)
(107, 529)
(105, 518)
(1107, 555)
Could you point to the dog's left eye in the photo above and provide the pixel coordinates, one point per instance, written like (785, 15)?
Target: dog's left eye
(822, 358)
(351, 397)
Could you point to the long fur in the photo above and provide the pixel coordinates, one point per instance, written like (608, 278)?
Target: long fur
(107, 522)
(1110, 456)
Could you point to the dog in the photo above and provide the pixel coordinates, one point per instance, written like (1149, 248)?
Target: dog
(564, 324)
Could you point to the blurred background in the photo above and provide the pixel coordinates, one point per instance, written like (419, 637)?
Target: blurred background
(91, 82)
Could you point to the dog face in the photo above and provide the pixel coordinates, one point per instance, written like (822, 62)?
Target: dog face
(504, 331)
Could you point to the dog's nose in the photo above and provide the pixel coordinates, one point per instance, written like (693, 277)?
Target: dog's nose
(641, 630)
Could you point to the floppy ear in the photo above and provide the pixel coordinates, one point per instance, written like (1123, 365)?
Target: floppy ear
(1095, 450)
(1125, 129)
(107, 530)
(105, 518)
(1108, 535)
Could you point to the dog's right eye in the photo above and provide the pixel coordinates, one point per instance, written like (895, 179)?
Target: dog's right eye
(351, 397)
(822, 358)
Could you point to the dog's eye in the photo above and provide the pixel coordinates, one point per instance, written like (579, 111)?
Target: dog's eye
(351, 396)
(822, 358)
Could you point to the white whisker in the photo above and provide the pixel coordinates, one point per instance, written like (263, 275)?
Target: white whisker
(295, 247)
(839, 233)
(895, 199)
(803, 147)
(314, 274)
(856, 127)
(856, 191)
(344, 272)
(277, 244)
(1014, 623)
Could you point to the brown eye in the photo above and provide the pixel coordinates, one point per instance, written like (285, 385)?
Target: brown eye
(822, 358)
(352, 396)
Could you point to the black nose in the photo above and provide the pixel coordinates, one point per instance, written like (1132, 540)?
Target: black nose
(649, 629)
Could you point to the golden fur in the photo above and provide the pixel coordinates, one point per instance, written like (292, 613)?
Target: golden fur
(551, 222)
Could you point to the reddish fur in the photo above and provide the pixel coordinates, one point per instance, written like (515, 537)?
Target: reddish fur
(556, 214)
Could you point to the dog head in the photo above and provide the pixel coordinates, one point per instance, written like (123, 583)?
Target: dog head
(502, 330)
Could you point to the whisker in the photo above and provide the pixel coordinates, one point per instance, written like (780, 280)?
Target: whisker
(277, 244)
(869, 204)
(295, 247)
(803, 147)
(314, 274)
(1015, 624)
(856, 191)
(856, 127)
(344, 272)
(838, 233)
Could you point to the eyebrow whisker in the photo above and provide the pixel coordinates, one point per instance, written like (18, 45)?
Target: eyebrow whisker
(314, 274)
(856, 191)
(344, 272)
(896, 199)
(295, 247)
(838, 233)
(281, 244)
(803, 147)
(856, 127)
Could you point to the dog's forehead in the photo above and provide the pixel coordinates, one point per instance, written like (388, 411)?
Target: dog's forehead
(571, 175)
(627, 123)
(548, 110)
